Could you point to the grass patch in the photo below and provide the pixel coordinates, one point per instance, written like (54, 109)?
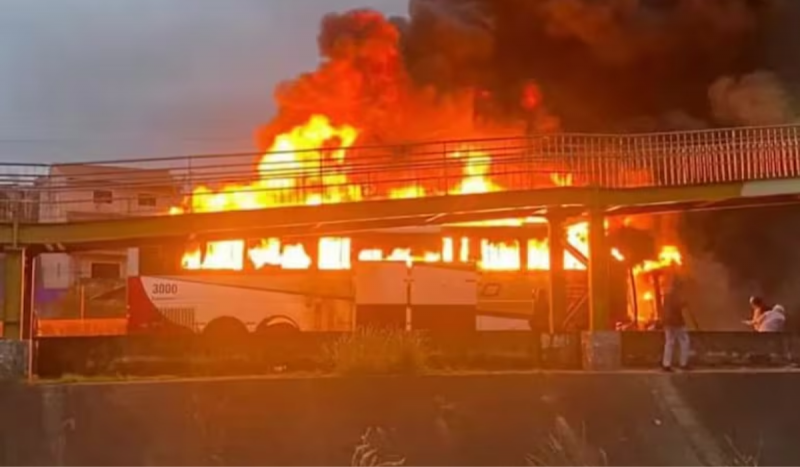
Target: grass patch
(378, 352)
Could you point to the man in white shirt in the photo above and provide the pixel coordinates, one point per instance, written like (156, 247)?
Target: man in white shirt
(772, 320)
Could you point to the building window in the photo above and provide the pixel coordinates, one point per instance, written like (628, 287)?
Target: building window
(106, 271)
(147, 201)
(103, 196)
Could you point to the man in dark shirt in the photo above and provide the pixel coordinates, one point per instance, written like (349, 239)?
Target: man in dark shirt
(674, 326)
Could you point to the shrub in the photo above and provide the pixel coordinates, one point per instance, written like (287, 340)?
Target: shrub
(378, 352)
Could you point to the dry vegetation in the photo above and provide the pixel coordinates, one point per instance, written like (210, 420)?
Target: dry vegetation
(374, 450)
(378, 352)
(564, 447)
(740, 459)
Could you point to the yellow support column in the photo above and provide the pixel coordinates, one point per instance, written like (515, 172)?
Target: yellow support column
(601, 345)
(17, 287)
(599, 255)
(557, 295)
(17, 304)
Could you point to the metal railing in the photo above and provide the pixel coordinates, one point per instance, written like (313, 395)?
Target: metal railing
(317, 177)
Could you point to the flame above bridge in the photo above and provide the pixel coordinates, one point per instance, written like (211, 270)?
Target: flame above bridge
(312, 165)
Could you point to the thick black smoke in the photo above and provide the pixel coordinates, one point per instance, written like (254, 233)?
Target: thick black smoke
(573, 65)
(605, 64)
(633, 65)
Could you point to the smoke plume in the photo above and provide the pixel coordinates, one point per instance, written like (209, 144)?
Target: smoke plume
(465, 68)
(713, 303)
(363, 81)
(755, 99)
(454, 67)
(599, 63)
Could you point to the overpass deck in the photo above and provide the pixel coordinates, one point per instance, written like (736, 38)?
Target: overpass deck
(435, 183)
(379, 214)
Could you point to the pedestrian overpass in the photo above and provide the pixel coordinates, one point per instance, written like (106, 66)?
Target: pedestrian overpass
(557, 176)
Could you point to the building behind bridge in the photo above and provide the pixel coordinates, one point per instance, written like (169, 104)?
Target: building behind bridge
(66, 283)
(19, 202)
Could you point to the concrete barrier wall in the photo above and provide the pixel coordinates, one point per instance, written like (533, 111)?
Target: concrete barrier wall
(191, 355)
(715, 349)
(595, 418)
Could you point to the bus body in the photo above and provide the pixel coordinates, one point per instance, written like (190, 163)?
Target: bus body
(384, 294)
(297, 299)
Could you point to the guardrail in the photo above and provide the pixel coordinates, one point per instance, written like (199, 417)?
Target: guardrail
(320, 176)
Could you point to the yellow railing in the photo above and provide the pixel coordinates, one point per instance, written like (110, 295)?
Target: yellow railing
(80, 327)
(149, 187)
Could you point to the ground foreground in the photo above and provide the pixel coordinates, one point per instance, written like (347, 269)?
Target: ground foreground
(544, 418)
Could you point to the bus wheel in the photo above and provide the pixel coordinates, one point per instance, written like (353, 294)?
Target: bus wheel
(225, 329)
(276, 327)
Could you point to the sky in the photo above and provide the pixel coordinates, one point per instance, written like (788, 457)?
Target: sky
(93, 80)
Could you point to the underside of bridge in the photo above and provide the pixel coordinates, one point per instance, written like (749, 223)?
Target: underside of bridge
(23, 241)
(360, 216)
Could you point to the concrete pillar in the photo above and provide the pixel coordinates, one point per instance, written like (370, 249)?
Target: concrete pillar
(14, 359)
(601, 350)
(599, 256)
(557, 293)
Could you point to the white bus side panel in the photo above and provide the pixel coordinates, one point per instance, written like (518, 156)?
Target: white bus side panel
(442, 285)
(209, 301)
(381, 283)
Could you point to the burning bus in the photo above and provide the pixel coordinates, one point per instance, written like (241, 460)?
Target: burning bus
(445, 279)
(484, 275)
(408, 288)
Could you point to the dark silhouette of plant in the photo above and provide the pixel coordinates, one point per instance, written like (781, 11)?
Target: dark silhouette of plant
(375, 450)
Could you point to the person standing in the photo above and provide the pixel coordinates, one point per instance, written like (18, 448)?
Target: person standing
(674, 324)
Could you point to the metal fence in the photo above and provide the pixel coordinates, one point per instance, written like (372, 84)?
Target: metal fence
(317, 177)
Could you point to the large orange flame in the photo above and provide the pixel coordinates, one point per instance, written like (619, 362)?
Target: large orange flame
(295, 171)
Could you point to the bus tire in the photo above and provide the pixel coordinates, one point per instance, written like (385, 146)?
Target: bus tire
(225, 328)
(277, 326)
